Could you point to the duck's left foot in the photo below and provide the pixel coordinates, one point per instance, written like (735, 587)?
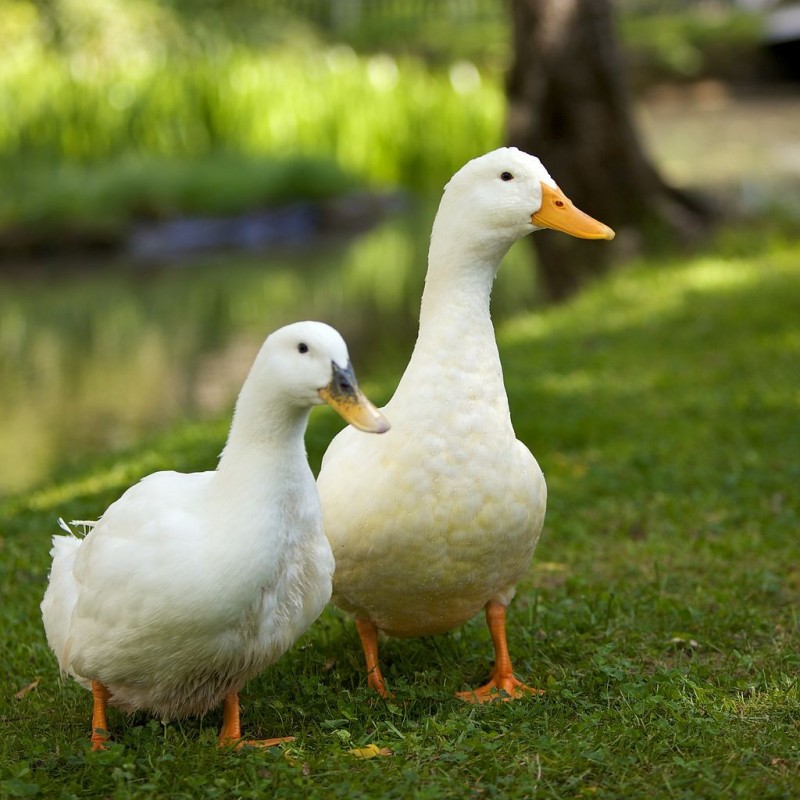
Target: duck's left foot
(238, 744)
(231, 733)
(502, 688)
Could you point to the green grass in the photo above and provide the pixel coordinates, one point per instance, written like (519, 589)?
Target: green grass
(660, 613)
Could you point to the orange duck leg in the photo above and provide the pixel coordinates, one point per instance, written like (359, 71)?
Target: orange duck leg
(230, 734)
(99, 722)
(502, 684)
(369, 641)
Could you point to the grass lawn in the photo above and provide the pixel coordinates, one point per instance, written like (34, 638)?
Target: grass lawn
(661, 613)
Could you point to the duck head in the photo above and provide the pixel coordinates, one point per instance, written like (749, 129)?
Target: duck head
(309, 363)
(510, 194)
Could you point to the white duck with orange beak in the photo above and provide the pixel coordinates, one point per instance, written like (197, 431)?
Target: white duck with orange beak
(440, 518)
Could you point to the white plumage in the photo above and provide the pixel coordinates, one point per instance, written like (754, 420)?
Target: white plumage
(191, 584)
(440, 518)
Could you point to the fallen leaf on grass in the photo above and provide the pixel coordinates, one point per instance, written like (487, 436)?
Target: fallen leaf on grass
(684, 641)
(370, 751)
(26, 689)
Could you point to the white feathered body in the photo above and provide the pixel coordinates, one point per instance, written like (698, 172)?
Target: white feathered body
(171, 617)
(442, 514)
(191, 584)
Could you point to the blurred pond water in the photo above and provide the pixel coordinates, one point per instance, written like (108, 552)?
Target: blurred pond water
(94, 357)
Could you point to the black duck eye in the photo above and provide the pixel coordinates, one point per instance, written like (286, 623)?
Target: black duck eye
(302, 347)
(507, 176)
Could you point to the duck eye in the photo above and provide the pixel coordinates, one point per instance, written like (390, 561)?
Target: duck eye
(507, 176)
(302, 347)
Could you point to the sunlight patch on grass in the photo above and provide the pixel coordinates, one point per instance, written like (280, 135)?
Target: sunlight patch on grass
(106, 478)
(717, 274)
(61, 495)
(563, 385)
(643, 296)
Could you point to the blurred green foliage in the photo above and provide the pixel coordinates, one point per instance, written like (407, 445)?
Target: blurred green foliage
(113, 110)
(691, 45)
(99, 84)
(103, 196)
(395, 93)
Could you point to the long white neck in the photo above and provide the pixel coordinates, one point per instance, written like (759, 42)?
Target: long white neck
(456, 336)
(266, 437)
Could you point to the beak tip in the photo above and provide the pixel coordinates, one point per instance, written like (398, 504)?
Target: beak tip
(379, 424)
(602, 232)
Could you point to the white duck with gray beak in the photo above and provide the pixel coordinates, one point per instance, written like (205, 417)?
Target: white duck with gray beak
(191, 584)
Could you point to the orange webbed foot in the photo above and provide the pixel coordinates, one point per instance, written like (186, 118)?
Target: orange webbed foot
(502, 685)
(238, 744)
(99, 738)
(502, 689)
(375, 681)
(231, 733)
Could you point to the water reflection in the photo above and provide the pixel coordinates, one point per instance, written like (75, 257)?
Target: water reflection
(93, 358)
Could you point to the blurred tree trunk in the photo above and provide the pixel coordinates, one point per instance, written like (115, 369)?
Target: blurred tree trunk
(569, 105)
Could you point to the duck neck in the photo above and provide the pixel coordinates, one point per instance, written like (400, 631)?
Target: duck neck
(266, 433)
(458, 288)
(456, 353)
